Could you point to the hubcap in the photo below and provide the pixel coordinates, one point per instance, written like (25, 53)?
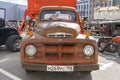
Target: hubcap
(102, 45)
(18, 44)
(113, 48)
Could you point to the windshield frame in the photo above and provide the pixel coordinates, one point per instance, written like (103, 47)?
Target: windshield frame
(75, 19)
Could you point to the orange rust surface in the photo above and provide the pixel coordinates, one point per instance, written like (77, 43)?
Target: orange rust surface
(37, 4)
(62, 51)
(27, 13)
(116, 39)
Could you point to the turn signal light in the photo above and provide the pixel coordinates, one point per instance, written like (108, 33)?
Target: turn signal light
(87, 34)
(30, 34)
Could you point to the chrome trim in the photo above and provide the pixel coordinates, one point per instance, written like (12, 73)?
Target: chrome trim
(60, 35)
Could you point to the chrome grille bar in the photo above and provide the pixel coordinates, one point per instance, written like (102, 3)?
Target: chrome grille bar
(60, 35)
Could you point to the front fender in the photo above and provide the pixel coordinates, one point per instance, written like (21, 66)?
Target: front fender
(11, 32)
(83, 36)
(116, 39)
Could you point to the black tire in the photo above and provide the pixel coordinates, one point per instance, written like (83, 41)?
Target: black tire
(29, 71)
(13, 43)
(119, 50)
(111, 48)
(87, 71)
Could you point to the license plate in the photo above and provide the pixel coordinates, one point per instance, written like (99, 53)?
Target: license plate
(56, 68)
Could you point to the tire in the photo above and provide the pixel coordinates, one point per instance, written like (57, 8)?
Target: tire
(111, 48)
(119, 50)
(87, 71)
(13, 43)
(29, 71)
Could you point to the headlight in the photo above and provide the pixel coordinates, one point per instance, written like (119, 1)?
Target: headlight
(88, 50)
(30, 50)
(115, 32)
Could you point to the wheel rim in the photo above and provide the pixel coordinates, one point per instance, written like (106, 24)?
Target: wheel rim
(113, 48)
(17, 44)
(100, 49)
(102, 46)
(115, 32)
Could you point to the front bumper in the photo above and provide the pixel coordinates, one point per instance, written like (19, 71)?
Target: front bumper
(43, 67)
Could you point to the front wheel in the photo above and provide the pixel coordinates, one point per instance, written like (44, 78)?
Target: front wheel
(119, 50)
(13, 43)
(29, 71)
(101, 45)
(111, 47)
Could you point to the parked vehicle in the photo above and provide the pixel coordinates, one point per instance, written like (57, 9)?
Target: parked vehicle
(108, 27)
(108, 30)
(56, 41)
(9, 37)
(117, 40)
(105, 31)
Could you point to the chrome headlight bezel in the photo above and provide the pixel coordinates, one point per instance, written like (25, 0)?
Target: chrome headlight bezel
(30, 50)
(88, 50)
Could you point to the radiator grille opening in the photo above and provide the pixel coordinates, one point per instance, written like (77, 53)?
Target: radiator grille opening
(51, 55)
(67, 55)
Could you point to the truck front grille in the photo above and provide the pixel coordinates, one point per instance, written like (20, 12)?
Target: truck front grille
(60, 35)
(59, 50)
(67, 55)
(51, 55)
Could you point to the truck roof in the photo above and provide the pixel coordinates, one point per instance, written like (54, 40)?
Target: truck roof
(37, 4)
(58, 8)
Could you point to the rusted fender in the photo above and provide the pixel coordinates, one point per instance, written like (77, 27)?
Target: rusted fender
(116, 39)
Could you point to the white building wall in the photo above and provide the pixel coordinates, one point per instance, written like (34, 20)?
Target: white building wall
(107, 13)
(13, 11)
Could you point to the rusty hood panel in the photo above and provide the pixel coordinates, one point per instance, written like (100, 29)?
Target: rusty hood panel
(45, 28)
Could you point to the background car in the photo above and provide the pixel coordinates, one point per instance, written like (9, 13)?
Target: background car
(9, 37)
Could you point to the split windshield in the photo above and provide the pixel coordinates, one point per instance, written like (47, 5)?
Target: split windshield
(56, 15)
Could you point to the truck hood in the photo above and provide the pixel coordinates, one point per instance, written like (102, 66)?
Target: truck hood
(58, 28)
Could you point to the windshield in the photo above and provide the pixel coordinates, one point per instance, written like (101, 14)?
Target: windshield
(58, 16)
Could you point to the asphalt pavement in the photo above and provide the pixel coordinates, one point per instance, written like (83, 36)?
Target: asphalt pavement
(10, 69)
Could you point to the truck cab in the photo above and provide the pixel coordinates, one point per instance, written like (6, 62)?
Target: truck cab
(57, 43)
